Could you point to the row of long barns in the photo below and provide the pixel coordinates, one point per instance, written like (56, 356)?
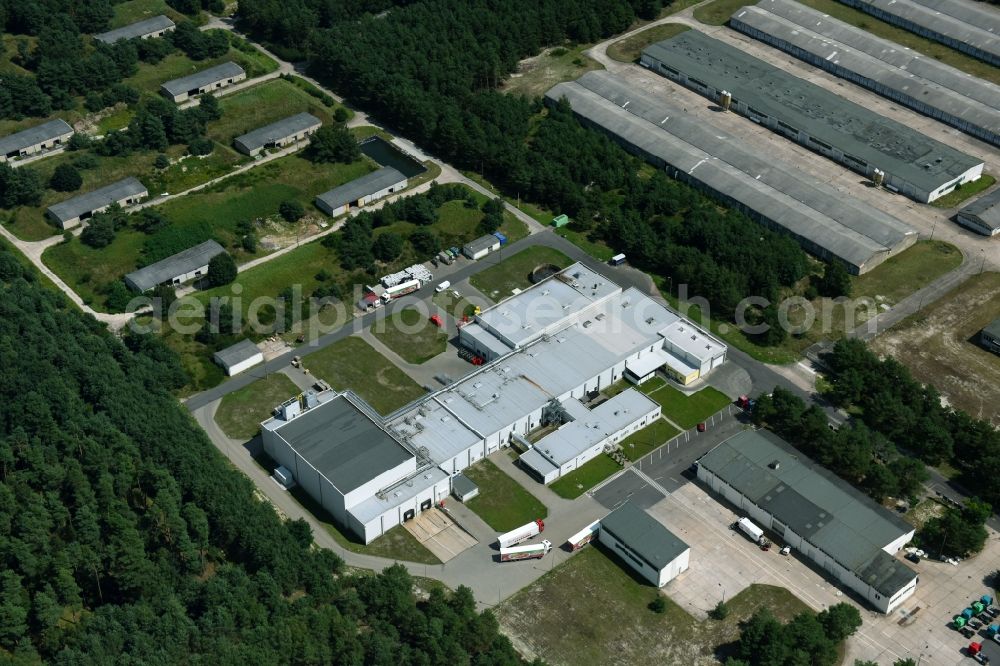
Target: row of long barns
(921, 83)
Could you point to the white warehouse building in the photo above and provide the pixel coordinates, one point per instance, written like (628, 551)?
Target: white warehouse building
(655, 552)
(817, 514)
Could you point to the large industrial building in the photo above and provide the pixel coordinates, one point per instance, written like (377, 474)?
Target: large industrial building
(655, 552)
(982, 215)
(176, 269)
(207, 80)
(361, 191)
(964, 26)
(35, 140)
(817, 514)
(776, 194)
(156, 26)
(888, 152)
(72, 212)
(578, 333)
(278, 134)
(924, 84)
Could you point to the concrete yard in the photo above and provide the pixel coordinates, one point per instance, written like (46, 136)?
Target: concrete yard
(439, 534)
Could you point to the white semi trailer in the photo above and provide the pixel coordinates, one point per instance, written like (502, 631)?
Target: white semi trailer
(532, 551)
(522, 533)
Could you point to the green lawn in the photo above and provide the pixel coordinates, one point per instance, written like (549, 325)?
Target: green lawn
(585, 477)
(260, 105)
(718, 12)
(512, 272)
(907, 272)
(501, 502)
(411, 335)
(963, 192)
(629, 49)
(354, 364)
(598, 249)
(593, 610)
(537, 74)
(138, 10)
(656, 434)
(688, 411)
(241, 412)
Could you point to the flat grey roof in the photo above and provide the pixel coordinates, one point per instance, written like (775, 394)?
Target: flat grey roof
(818, 506)
(644, 534)
(793, 26)
(343, 443)
(34, 135)
(985, 209)
(241, 351)
(993, 328)
(482, 243)
(182, 85)
(857, 131)
(91, 201)
(463, 485)
(370, 183)
(278, 130)
(137, 29)
(167, 269)
(806, 208)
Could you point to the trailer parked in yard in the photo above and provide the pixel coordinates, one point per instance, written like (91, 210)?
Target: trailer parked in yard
(584, 536)
(522, 533)
(746, 526)
(533, 551)
(400, 290)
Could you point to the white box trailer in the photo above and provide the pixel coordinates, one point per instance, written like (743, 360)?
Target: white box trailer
(532, 551)
(522, 533)
(747, 526)
(401, 289)
(584, 536)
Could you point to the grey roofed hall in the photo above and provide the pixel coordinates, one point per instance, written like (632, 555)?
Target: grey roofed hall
(137, 29)
(823, 115)
(985, 209)
(643, 534)
(242, 351)
(34, 135)
(99, 198)
(165, 270)
(281, 129)
(821, 508)
(370, 183)
(194, 81)
(482, 243)
(343, 444)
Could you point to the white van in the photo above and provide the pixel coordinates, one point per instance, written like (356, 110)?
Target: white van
(441, 287)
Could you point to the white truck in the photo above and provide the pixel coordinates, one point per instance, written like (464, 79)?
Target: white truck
(522, 533)
(746, 526)
(584, 536)
(532, 551)
(401, 289)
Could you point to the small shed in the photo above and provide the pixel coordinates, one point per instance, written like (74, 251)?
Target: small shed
(560, 220)
(481, 247)
(463, 488)
(239, 357)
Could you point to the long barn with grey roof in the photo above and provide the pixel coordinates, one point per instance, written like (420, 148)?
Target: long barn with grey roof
(962, 25)
(35, 140)
(207, 80)
(776, 194)
(900, 74)
(890, 153)
(176, 269)
(982, 215)
(156, 26)
(278, 134)
(73, 211)
(361, 191)
(817, 514)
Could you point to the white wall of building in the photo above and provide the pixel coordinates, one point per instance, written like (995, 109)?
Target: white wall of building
(658, 577)
(237, 368)
(396, 515)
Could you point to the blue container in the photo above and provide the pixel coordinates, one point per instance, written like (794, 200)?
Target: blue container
(500, 237)
(967, 613)
(986, 599)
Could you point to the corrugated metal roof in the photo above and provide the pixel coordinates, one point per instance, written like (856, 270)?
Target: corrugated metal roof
(241, 351)
(463, 485)
(849, 127)
(276, 131)
(167, 269)
(226, 70)
(482, 243)
(34, 135)
(137, 29)
(99, 198)
(985, 209)
(361, 187)
(644, 534)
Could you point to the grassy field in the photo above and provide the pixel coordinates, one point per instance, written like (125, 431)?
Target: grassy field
(354, 364)
(538, 73)
(138, 10)
(718, 12)
(656, 434)
(967, 191)
(905, 38)
(512, 272)
(688, 411)
(260, 105)
(591, 610)
(629, 48)
(597, 249)
(411, 335)
(501, 502)
(241, 412)
(940, 346)
(585, 477)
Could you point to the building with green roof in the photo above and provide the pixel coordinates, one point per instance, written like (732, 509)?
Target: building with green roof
(644, 544)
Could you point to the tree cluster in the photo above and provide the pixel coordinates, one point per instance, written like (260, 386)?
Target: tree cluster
(199, 44)
(158, 123)
(333, 143)
(808, 639)
(19, 187)
(126, 534)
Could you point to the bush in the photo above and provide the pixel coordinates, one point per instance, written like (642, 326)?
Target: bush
(341, 114)
(388, 246)
(658, 605)
(100, 232)
(249, 243)
(118, 297)
(835, 282)
(221, 270)
(333, 144)
(720, 612)
(78, 141)
(65, 178)
(162, 161)
(291, 210)
(201, 146)
(86, 161)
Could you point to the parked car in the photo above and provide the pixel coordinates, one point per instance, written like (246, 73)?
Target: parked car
(701, 427)
(785, 551)
(968, 633)
(913, 557)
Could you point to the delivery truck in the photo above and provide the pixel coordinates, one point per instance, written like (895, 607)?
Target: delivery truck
(584, 536)
(400, 290)
(522, 533)
(529, 552)
(746, 526)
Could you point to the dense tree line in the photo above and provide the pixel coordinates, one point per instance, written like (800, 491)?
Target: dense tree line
(809, 639)
(913, 416)
(126, 536)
